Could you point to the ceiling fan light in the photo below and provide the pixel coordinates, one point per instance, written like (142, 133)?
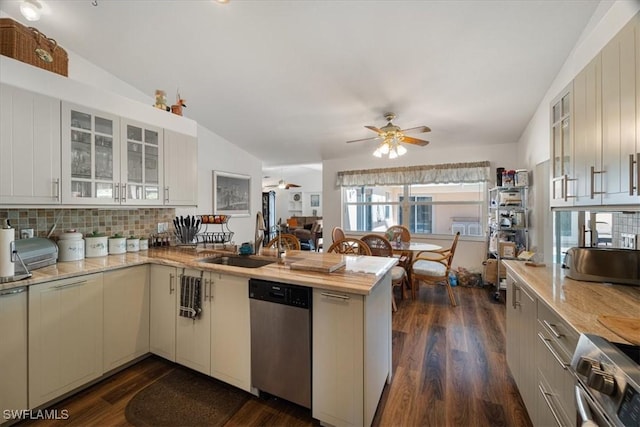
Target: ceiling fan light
(401, 150)
(282, 185)
(377, 153)
(393, 153)
(384, 148)
(30, 9)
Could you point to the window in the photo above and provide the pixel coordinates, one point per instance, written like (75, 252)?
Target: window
(423, 208)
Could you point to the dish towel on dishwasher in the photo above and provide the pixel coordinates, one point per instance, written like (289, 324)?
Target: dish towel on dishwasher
(190, 301)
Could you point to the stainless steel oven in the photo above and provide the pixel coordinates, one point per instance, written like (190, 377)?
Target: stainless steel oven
(607, 382)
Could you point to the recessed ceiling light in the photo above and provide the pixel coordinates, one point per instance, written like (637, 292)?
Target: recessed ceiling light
(31, 9)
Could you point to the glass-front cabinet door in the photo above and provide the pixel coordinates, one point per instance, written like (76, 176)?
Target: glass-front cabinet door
(90, 156)
(141, 173)
(562, 179)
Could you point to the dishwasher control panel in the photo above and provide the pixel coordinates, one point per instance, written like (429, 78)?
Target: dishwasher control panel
(280, 293)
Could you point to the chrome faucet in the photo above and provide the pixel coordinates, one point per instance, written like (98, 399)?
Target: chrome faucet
(279, 245)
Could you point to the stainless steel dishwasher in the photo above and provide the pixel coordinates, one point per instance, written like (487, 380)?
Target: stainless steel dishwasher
(281, 340)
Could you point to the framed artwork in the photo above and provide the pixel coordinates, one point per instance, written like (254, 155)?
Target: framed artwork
(315, 200)
(231, 194)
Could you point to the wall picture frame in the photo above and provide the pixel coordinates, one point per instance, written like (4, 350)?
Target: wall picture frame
(314, 200)
(231, 194)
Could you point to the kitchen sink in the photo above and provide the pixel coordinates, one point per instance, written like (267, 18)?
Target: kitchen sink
(237, 261)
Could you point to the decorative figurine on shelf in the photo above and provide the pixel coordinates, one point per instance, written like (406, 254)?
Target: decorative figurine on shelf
(161, 100)
(177, 107)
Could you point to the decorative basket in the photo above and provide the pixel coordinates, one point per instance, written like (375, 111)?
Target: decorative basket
(26, 44)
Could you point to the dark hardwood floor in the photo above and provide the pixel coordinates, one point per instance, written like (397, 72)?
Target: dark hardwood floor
(449, 370)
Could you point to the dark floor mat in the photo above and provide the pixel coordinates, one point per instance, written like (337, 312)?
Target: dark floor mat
(185, 398)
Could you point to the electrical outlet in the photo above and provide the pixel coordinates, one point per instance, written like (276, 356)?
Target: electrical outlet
(26, 233)
(629, 241)
(163, 227)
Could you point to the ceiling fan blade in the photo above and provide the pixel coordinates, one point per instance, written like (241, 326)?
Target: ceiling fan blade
(373, 128)
(364, 139)
(416, 141)
(291, 186)
(271, 186)
(418, 129)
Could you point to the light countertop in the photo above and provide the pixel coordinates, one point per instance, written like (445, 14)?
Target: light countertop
(579, 303)
(359, 276)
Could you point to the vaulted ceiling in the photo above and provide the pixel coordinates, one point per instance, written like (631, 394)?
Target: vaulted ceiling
(291, 81)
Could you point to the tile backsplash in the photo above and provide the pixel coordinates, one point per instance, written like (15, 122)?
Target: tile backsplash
(624, 222)
(138, 222)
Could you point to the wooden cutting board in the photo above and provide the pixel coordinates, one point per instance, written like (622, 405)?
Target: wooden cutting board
(322, 266)
(627, 327)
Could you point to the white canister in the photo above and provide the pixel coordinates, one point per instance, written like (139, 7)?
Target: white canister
(70, 246)
(133, 244)
(95, 246)
(144, 244)
(117, 245)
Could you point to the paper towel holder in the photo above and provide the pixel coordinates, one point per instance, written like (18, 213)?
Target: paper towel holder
(15, 256)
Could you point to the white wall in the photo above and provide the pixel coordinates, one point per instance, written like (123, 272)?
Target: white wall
(216, 153)
(471, 252)
(534, 143)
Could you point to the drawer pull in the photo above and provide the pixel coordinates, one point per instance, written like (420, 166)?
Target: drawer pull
(330, 295)
(547, 342)
(553, 329)
(172, 277)
(69, 285)
(547, 398)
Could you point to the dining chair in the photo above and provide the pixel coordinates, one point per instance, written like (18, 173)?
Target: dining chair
(288, 242)
(337, 234)
(380, 246)
(398, 231)
(434, 267)
(350, 246)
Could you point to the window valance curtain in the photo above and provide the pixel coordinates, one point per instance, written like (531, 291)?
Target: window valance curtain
(448, 173)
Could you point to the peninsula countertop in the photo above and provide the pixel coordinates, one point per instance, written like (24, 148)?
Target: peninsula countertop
(579, 303)
(359, 275)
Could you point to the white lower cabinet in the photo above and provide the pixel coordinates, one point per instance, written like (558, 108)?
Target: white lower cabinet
(65, 336)
(521, 339)
(126, 315)
(13, 351)
(230, 330)
(555, 384)
(351, 354)
(193, 336)
(163, 311)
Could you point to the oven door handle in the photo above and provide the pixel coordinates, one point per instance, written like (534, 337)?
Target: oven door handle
(585, 408)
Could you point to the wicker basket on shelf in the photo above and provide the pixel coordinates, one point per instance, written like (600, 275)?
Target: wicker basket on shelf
(27, 44)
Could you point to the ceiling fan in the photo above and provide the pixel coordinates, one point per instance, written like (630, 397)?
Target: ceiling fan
(282, 185)
(391, 136)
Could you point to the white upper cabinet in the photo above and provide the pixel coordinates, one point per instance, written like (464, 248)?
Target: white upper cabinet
(562, 176)
(606, 128)
(30, 147)
(142, 164)
(90, 156)
(619, 76)
(181, 169)
(587, 134)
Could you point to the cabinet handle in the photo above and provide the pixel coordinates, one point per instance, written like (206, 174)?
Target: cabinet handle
(166, 194)
(631, 163)
(547, 398)
(546, 341)
(331, 295)
(593, 184)
(207, 290)
(124, 193)
(638, 174)
(514, 302)
(171, 279)
(116, 192)
(553, 329)
(13, 291)
(56, 182)
(69, 285)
